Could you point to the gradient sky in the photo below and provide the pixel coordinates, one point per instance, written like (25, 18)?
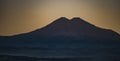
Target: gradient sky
(21, 16)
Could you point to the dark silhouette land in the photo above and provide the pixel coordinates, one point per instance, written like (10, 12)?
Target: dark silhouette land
(63, 40)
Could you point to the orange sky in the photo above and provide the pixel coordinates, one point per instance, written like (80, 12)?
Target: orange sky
(25, 16)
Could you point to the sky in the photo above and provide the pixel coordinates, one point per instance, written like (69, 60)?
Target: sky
(22, 16)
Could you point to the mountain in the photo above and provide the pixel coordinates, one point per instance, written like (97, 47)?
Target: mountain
(75, 27)
(64, 38)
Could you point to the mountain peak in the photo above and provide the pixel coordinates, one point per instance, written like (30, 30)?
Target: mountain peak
(75, 19)
(78, 19)
(62, 19)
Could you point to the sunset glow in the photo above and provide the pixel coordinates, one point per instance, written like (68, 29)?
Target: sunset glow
(26, 17)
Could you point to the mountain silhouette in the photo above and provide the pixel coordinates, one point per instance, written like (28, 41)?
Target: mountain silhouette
(75, 27)
(64, 38)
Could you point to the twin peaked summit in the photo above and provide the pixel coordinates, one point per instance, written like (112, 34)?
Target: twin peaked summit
(76, 20)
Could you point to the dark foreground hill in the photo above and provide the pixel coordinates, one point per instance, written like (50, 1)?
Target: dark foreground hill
(65, 38)
(24, 58)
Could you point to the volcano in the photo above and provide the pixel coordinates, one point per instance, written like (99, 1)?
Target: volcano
(64, 38)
